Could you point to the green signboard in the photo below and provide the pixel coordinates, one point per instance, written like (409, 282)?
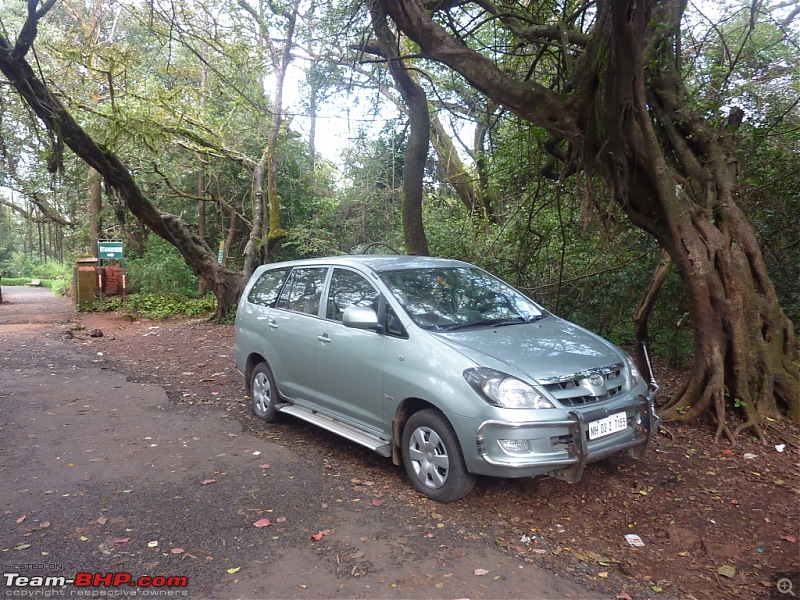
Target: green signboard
(109, 249)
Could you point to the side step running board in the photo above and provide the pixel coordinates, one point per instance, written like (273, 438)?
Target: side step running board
(349, 432)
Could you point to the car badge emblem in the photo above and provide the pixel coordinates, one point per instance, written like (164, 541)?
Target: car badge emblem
(596, 379)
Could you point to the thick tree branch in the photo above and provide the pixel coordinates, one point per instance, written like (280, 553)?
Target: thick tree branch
(529, 99)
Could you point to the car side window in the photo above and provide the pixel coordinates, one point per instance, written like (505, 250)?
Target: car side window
(394, 326)
(303, 291)
(265, 291)
(349, 289)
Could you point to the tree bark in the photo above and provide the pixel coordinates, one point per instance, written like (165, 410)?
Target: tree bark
(201, 172)
(642, 314)
(455, 173)
(416, 153)
(95, 207)
(254, 251)
(675, 175)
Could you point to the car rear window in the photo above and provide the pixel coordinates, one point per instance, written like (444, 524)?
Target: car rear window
(265, 291)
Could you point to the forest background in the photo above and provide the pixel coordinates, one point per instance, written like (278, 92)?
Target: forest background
(186, 139)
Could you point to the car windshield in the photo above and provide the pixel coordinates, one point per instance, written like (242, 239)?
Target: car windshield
(458, 298)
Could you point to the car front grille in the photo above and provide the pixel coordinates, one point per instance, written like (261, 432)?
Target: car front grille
(587, 387)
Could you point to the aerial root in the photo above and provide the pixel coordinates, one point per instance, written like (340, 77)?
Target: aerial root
(754, 424)
(722, 421)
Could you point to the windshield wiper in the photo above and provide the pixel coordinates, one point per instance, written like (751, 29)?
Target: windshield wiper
(517, 320)
(492, 323)
(456, 326)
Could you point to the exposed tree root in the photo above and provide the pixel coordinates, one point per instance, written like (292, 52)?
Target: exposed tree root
(722, 421)
(753, 424)
(666, 432)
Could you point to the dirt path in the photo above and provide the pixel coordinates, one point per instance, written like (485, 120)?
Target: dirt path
(100, 472)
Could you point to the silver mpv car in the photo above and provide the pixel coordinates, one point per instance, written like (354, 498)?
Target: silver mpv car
(440, 365)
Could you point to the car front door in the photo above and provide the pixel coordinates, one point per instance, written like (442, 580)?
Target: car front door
(349, 361)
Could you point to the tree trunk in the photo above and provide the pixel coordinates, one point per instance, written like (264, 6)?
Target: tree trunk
(455, 173)
(201, 171)
(416, 154)
(254, 251)
(95, 208)
(281, 59)
(231, 236)
(744, 344)
(642, 314)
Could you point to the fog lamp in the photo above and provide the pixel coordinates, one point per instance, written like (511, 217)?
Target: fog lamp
(515, 445)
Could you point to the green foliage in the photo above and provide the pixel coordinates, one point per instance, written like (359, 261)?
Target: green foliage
(161, 269)
(21, 270)
(21, 266)
(158, 306)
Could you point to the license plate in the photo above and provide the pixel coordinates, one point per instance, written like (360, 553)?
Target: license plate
(611, 424)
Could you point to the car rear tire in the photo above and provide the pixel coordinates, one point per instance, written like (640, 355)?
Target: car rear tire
(433, 459)
(264, 393)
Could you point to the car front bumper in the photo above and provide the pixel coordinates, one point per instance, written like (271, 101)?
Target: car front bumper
(562, 448)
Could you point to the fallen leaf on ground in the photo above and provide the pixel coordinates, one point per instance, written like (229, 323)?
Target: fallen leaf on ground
(177, 550)
(122, 540)
(789, 538)
(233, 570)
(727, 571)
(262, 523)
(22, 518)
(318, 536)
(480, 572)
(208, 481)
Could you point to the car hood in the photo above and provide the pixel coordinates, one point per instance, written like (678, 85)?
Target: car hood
(540, 350)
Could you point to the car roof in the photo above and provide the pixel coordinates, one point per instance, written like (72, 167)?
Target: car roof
(375, 262)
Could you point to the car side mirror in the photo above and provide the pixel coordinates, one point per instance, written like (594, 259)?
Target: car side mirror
(360, 317)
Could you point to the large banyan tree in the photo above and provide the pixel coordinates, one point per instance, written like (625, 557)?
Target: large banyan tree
(616, 106)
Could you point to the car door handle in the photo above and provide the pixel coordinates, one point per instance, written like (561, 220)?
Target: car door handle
(273, 324)
(324, 338)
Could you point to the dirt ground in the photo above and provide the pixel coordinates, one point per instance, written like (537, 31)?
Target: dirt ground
(716, 521)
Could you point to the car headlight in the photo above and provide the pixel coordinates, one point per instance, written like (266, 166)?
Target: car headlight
(503, 390)
(636, 377)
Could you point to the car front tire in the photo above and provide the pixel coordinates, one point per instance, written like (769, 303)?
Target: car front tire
(433, 459)
(264, 393)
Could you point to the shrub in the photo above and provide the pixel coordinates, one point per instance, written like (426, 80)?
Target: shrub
(158, 306)
(161, 270)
